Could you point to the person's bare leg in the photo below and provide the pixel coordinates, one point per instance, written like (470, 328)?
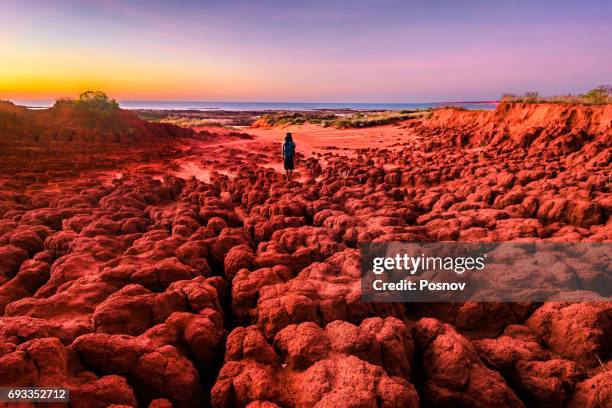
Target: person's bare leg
(287, 175)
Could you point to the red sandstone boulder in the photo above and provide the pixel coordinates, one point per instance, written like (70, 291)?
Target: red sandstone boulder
(596, 392)
(45, 363)
(11, 258)
(319, 367)
(578, 331)
(454, 373)
(535, 373)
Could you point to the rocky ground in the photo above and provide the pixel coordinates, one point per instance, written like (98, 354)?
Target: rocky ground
(155, 266)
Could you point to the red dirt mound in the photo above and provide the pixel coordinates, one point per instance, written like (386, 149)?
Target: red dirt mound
(558, 128)
(69, 123)
(70, 138)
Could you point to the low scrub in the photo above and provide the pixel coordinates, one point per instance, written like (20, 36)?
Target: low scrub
(374, 119)
(597, 96)
(295, 118)
(189, 122)
(352, 120)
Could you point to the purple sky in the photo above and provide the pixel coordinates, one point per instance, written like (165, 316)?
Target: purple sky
(324, 51)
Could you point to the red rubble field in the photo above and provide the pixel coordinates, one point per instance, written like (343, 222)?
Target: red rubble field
(149, 265)
(306, 365)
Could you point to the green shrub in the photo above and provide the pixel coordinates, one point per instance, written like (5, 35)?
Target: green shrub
(600, 95)
(96, 101)
(597, 96)
(93, 101)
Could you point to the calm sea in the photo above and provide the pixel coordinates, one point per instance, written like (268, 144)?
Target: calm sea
(264, 106)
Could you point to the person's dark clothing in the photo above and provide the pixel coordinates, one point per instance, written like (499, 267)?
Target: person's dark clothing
(288, 150)
(289, 165)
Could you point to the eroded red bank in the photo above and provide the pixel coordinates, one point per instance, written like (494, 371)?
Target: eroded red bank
(149, 265)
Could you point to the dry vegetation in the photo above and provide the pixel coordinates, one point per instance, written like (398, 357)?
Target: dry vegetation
(352, 120)
(190, 122)
(597, 96)
(376, 118)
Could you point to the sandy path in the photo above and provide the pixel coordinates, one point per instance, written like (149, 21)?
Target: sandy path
(312, 138)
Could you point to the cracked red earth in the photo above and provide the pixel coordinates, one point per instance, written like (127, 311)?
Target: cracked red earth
(149, 265)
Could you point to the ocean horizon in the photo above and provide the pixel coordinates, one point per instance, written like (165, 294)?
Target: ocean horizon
(272, 106)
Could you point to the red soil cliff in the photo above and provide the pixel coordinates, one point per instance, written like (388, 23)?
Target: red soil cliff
(67, 123)
(556, 128)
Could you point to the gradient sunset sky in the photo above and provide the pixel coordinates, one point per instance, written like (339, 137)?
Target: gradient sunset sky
(319, 51)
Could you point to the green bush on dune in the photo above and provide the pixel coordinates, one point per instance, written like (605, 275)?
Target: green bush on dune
(600, 95)
(597, 96)
(92, 110)
(92, 101)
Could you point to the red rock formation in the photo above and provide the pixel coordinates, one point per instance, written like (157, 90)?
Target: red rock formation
(307, 366)
(121, 272)
(536, 374)
(454, 373)
(555, 129)
(66, 122)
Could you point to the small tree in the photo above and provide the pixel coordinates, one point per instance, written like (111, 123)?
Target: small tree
(600, 95)
(531, 97)
(96, 101)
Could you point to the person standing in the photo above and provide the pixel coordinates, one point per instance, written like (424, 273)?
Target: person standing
(288, 152)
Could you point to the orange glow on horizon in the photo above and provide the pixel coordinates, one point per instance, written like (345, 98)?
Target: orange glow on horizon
(126, 86)
(53, 74)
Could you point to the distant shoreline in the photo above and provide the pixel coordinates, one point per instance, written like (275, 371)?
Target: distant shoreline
(274, 106)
